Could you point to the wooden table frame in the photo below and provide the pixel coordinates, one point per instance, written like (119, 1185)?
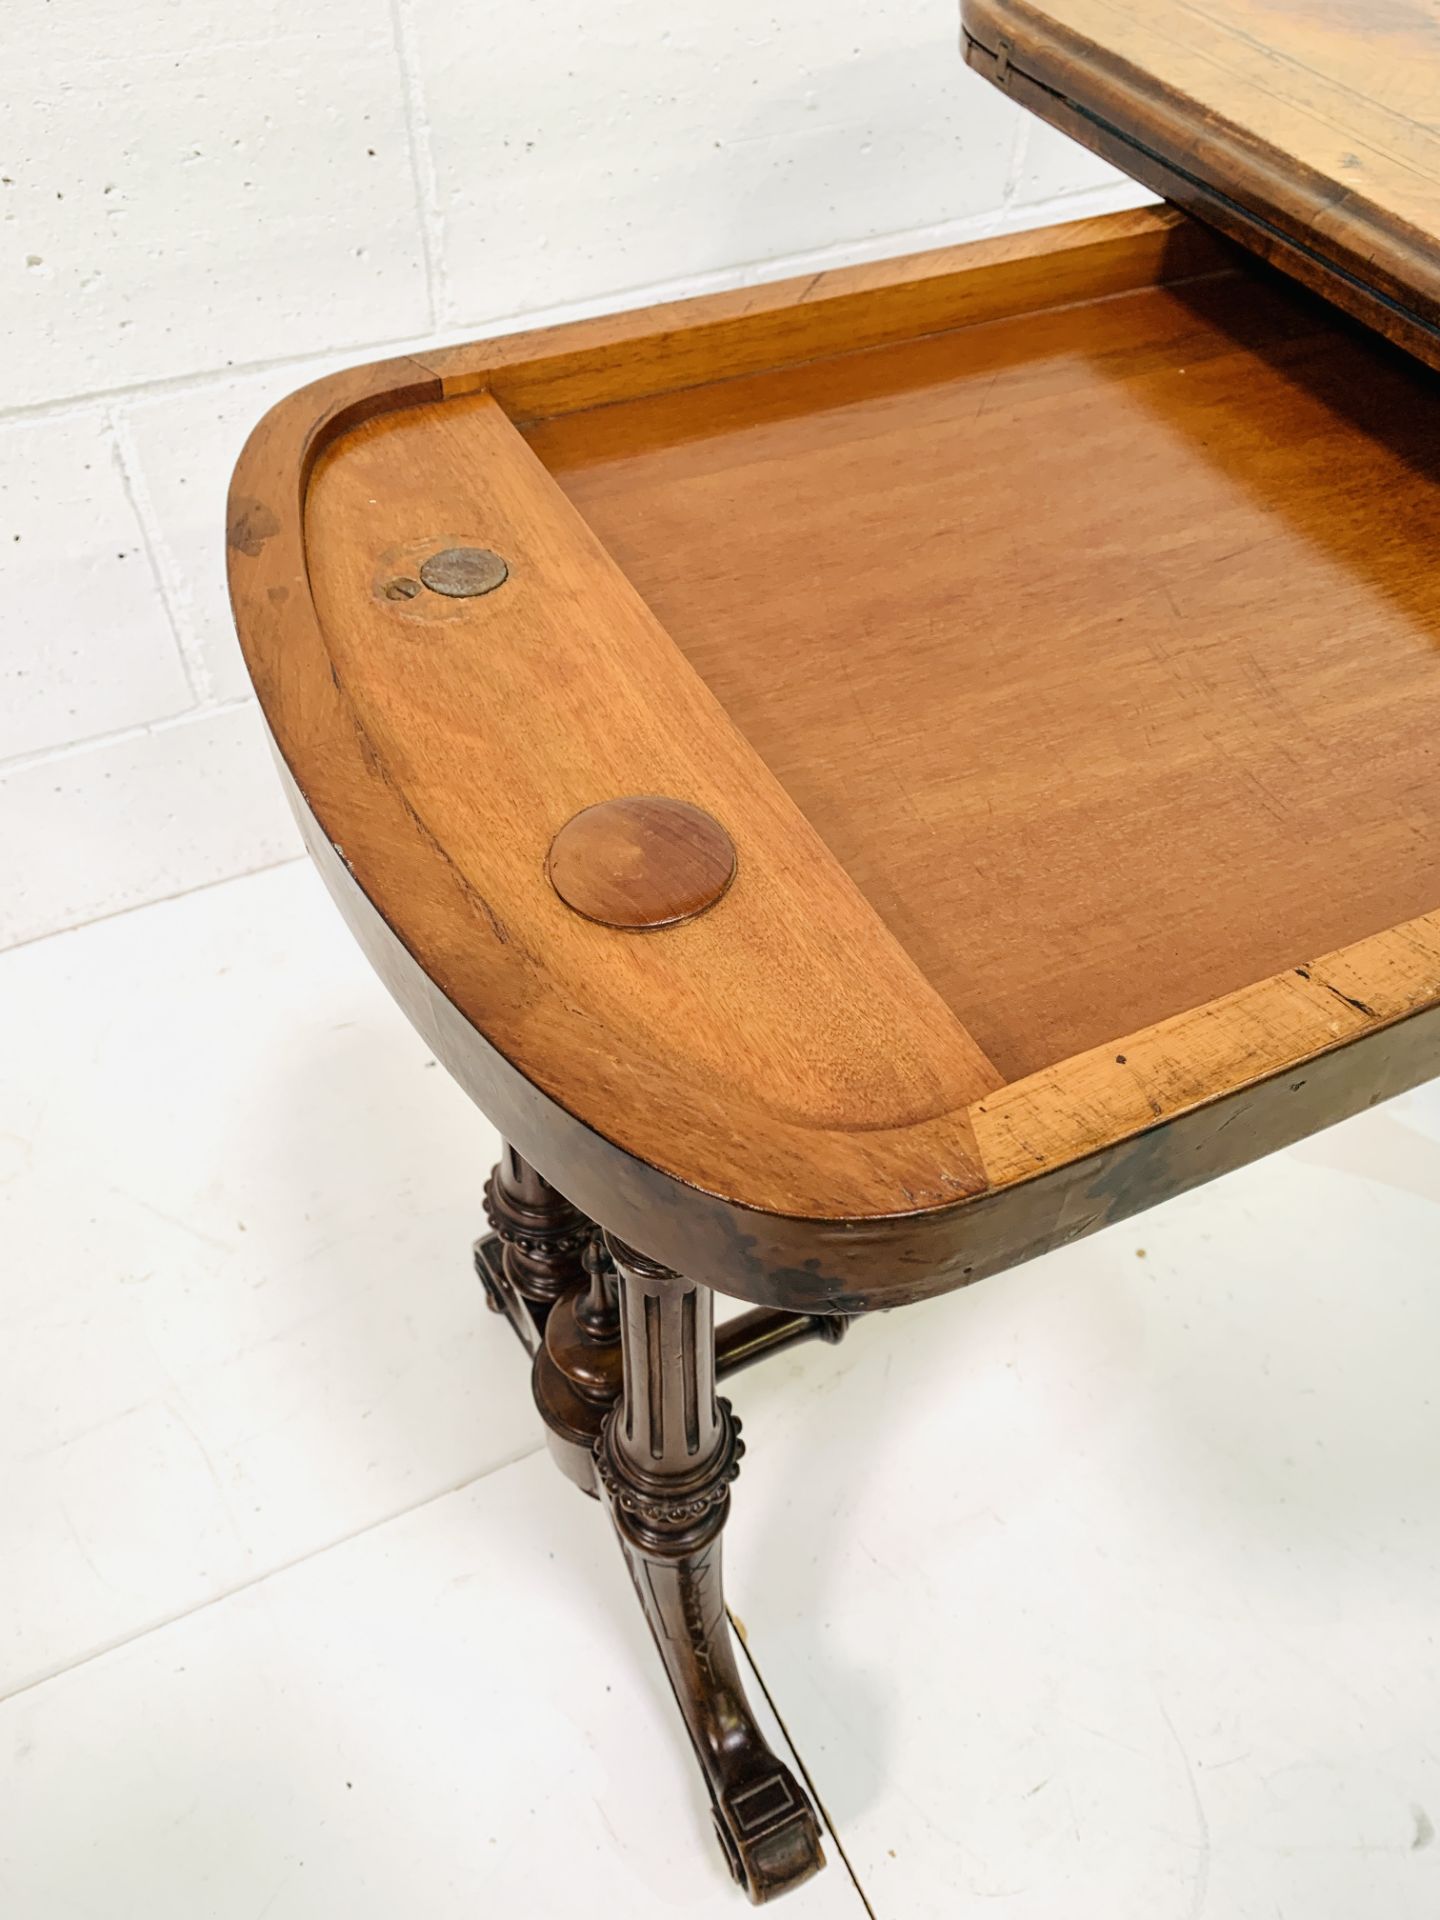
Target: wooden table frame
(1301, 135)
(858, 1162)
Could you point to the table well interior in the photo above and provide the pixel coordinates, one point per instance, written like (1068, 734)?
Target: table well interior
(1099, 644)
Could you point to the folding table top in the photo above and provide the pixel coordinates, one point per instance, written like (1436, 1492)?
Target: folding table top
(1048, 626)
(1309, 130)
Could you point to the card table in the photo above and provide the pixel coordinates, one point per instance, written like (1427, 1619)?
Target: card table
(869, 778)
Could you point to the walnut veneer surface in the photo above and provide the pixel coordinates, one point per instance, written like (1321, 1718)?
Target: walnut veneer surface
(1099, 645)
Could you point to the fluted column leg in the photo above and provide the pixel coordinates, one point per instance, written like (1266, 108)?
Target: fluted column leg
(668, 1452)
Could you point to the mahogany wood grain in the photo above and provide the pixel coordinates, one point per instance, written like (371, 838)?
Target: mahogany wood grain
(1110, 666)
(783, 1097)
(1307, 129)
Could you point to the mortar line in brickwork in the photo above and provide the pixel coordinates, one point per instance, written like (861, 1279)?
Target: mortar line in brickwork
(422, 161)
(152, 537)
(117, 736)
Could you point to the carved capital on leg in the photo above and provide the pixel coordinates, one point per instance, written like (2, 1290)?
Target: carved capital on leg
(668, 1452)
(534, 1254)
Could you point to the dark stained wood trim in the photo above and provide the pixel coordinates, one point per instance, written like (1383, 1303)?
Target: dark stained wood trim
(1379, 269)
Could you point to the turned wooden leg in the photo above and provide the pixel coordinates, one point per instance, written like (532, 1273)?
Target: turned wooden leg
(576, 1377)
(534, 1255)
(577, 1373)
(668, 1451)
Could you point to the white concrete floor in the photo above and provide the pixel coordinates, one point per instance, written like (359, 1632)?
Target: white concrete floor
(1108, 1589)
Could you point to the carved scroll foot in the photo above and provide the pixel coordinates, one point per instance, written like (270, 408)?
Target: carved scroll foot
(625, 1360)
(667, 1454)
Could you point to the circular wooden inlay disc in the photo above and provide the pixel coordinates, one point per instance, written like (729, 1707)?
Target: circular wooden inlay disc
(644, 861)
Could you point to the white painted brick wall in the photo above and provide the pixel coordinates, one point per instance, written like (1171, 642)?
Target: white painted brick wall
(203, 205)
